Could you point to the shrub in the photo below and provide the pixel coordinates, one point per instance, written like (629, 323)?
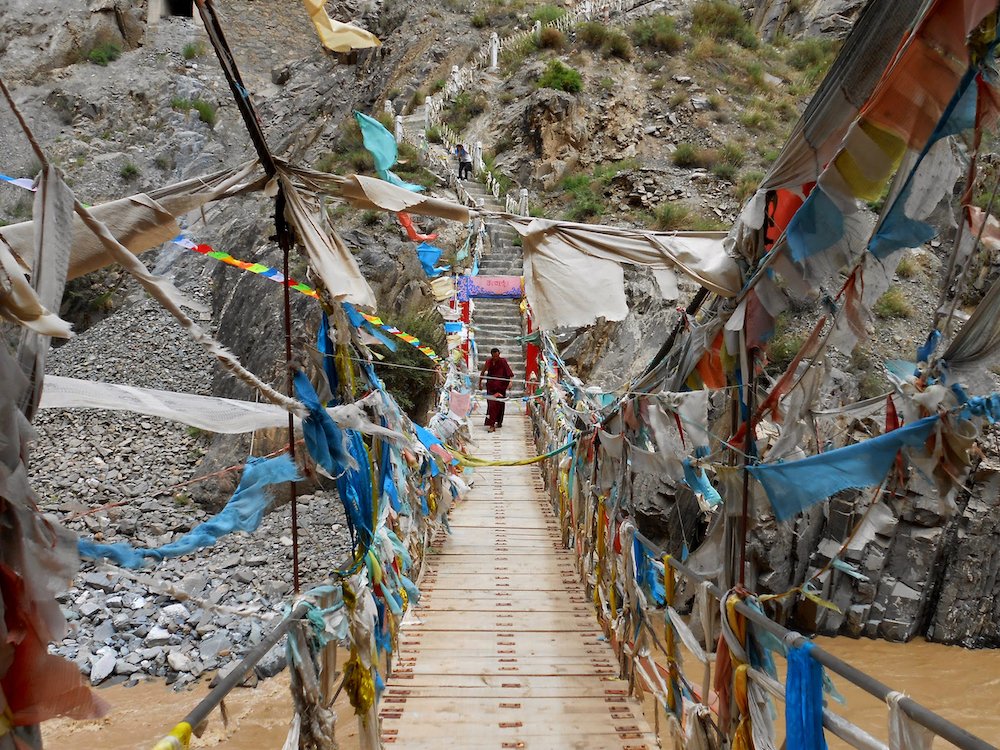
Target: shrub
(592, 34)
(733, 154)
(747, 185)
(102, 54)
(551, 38)
(685, 155)
(707, 224)
(479, 20)
(419, 97)
(438, 85)
(657, 32)
(193, 50)
(465, 107)
(757, 119)
(893, 304)
(408, 375)
(561, 77)
(671, 216)
(371, 218)
(784, 346)
(721, 20)
(547, 13)
(129, 171)
(434, 134)
(907, 268)
(678, 98)
(724, 171)
(617, 44)
(811, 53)
(205, 110)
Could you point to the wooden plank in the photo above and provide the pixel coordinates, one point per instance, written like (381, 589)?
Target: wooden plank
(504, 649)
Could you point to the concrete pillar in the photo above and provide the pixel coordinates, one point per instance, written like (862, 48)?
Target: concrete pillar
(538, 31)
(522, 205)
(389, 109)
(428, 111)
(399, 128)
(494, 51)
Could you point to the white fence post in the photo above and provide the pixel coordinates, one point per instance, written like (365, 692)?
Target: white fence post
(477, 157)
(389, 109)
(399, 128)
(494, 51)
(522, 206)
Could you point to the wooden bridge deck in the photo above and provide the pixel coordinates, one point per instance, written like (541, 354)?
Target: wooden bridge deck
(504, 650)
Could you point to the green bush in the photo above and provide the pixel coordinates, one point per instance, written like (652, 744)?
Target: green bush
(724, 171)
(561, 77)
(434, 134)
(479, 20)
(547, 13)
(193, 50)
(671, 216)
(657, 32)
(408, 375)
(465, 107)
(205, 110)
(747, 185)
(807, 53)
(893, 304)
(102, 54)
(129, 171)
(721, 20)
(592, 34)
(617, 44)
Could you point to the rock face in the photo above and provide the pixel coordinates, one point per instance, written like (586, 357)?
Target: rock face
(805, 17)
(41, 35)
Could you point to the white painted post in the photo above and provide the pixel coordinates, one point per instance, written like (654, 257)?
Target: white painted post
(428, 109)
(399, 128)
(388, 108)
(494, 51)
(477, 157)
(538, 31)
(522, 206)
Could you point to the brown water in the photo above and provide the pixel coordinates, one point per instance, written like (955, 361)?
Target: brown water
(961, 685)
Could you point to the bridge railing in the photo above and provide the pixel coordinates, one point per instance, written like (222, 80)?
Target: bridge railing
(632, 582)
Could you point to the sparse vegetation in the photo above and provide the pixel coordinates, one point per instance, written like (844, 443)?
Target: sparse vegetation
(479, 20)
(129, 171)
(371, 218)
(465, 107)
(784, 345)
(689, 156)
(414, 389)
(434, 134)
(547, 13)
(907, 268)
(617, 44)
(722, 21)
(205, 110)
(105, 53)
(893, 304)
(746, 185)
(812, 56)
(193, 50)
(561, 77)
(658, 33)
(671, 216)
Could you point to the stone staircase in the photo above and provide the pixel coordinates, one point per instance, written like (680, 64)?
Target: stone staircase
(496, 322)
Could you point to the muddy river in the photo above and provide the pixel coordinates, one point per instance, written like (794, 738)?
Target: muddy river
(963, 686)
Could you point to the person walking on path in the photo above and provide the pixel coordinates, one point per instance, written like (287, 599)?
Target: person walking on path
(464, 162)
(498, 375)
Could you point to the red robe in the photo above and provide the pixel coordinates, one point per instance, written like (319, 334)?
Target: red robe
(498, 375)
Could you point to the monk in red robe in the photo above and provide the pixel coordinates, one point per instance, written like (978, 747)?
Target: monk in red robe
(498, 375)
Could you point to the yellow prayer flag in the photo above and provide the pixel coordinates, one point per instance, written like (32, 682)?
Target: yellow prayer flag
(337, 36)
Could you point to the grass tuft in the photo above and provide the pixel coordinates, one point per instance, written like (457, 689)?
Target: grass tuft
(893, 304)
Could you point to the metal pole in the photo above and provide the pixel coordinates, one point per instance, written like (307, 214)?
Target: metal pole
(199, 713)
(943, 728)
